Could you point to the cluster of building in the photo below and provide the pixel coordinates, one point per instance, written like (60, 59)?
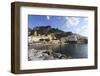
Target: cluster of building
(36, 38)
(51, 38)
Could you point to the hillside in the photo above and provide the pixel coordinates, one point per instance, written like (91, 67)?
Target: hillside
(68, 37)
(45, 30)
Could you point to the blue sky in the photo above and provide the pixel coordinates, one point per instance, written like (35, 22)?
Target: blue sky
(74, 24)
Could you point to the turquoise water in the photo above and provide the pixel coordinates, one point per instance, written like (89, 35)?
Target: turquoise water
(74, 50)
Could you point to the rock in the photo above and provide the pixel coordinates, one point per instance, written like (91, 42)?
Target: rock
(34, 54)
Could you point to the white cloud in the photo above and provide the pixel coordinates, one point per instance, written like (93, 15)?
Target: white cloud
(48, 17)
(86, 19)
(77, 26)
(82, 30)
(72, 21)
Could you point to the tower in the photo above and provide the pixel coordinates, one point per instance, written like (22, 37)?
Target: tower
(35, 33)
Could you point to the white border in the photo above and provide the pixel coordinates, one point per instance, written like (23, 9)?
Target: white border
(25, 64)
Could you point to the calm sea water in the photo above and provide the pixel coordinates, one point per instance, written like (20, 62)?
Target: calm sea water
(74, 50)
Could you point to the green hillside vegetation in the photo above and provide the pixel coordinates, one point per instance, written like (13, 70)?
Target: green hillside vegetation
(45, 30)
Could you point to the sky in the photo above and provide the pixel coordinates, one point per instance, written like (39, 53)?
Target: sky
(75, 24)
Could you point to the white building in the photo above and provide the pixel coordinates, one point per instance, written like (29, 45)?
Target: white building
(36, 38)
